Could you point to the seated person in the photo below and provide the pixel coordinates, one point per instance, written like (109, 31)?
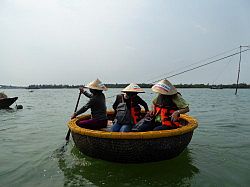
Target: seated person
(97, 104)
(127, 108)
(167, 106)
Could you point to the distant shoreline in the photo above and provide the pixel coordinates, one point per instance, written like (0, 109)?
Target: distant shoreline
(143, 85)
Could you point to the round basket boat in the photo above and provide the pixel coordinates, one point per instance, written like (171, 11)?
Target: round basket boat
(132, 147)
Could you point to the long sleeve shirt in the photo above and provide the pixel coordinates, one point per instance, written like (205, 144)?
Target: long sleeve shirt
(97, 104)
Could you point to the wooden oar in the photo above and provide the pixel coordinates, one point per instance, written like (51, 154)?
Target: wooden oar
(68, 134)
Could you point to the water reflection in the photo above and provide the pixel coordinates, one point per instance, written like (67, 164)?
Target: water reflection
(80, 170)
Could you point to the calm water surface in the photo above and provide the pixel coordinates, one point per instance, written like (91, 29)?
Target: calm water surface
(31, 138)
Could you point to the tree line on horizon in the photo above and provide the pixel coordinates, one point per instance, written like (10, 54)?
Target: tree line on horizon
(123, 85)
(142, 85)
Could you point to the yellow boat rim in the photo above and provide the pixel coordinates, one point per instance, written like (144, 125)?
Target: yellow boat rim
(192, 124)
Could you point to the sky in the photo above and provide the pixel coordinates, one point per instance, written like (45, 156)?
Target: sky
(122, 41)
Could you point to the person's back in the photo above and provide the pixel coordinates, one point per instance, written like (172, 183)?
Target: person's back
(99, 108)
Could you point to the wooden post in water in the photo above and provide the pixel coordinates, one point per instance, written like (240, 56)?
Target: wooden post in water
(238, 73)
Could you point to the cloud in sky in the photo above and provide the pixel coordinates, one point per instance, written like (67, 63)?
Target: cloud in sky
(76, 41)
(201, 28)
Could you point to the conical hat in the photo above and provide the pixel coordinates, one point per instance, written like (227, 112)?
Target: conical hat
(133, 88)
(3, 95)
(96, 85)
(164, 87)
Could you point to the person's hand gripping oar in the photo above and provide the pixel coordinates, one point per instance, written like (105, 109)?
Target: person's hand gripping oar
(68, 134)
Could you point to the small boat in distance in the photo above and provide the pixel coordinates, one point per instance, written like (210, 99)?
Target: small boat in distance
(132, 147)
(216, 87)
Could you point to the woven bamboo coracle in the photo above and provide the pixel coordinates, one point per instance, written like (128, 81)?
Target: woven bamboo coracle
(133, 147)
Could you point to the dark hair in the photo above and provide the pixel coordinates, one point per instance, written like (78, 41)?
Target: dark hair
(163, 100)
(131, 93)
(95, 92)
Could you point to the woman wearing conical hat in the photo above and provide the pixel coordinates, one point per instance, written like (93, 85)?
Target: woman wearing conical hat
(127, 108)
(96, 103)
(167, 106)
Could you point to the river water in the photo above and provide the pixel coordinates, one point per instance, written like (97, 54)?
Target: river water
(31, 140)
